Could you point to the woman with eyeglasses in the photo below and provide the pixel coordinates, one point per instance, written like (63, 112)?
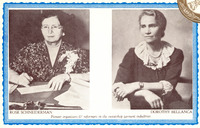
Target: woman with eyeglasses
(52, 60)
(149, 72)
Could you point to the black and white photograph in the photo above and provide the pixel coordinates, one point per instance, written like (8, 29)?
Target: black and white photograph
(151, 59)
(49, 59)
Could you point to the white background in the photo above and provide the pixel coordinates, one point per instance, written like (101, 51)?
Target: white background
(102, 37)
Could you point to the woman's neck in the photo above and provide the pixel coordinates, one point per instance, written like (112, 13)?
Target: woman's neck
(53, 44)
(53, 49)
(154, 49)
(155, 46)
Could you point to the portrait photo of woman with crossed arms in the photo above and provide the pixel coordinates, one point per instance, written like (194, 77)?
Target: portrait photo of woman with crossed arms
(150, 71)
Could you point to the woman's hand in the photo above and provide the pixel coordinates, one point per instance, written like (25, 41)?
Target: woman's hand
(115, 87)
(24, 79)
(154, 100)
(57, 82)
(121, 90)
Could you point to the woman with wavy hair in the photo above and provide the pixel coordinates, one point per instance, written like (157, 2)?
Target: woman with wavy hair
(149, 72)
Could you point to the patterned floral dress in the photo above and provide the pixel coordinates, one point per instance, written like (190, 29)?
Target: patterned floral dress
(35, 61)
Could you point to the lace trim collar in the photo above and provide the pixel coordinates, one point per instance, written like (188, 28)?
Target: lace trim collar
(141, 52)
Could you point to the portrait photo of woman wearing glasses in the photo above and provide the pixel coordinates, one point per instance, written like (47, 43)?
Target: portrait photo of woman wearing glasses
(149, 74)
(52, 51)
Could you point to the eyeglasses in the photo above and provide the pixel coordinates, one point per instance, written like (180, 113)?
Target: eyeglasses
(53, 27)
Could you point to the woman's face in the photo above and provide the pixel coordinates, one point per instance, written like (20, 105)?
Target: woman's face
(149, 29)
(51, 29)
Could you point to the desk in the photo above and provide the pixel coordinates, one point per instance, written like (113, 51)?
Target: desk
(73, 95)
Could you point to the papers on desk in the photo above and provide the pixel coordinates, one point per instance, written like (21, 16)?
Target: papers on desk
(34, 89)
(80, 82)
(77, 95)
(12, 87)
(45, 88)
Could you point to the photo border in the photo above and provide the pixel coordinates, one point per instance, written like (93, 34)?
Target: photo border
(7, 6)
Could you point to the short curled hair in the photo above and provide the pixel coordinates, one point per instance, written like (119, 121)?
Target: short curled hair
(67, 21)
(63, 17)
(159, 17)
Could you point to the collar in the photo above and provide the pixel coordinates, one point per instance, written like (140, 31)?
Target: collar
(142, 53)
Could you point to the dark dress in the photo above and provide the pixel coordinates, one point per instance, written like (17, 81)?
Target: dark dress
(35, 61)
(132, 69)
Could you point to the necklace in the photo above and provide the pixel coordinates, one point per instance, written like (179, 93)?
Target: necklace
(154, 59)
(155, 56)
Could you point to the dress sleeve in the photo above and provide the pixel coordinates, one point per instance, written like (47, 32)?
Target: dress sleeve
(19, 62)
(82, 64)
(125, 68)
(174, 67)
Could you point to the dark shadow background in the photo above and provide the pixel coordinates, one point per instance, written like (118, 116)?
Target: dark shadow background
(24, 28)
